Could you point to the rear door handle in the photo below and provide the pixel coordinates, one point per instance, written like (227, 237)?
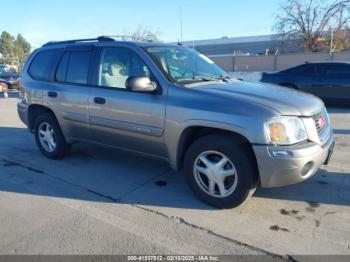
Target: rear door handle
(52, 94)
(99, 100)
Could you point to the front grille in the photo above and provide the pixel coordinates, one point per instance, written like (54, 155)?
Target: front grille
(321, 121)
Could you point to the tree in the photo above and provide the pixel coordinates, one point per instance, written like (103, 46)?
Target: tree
(14, 49)
(22, 47)
(145, 34)
(312, 22)
(6, 46)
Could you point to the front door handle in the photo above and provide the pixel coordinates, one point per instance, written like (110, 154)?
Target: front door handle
(99, 100)
(52, 94)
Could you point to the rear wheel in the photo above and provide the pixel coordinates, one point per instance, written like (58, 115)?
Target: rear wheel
(49, 137)
(219, 171)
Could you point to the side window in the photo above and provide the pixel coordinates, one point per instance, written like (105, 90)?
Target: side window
(78, 67)
(74, 67)
(62, 68)
(309, 70)
(117, 64)
(338, 71)
(43, 64)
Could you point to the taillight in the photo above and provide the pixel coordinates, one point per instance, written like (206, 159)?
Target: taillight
(3, 87)
(20, 87)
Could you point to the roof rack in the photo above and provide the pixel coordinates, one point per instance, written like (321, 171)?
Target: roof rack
(130, 37)
(99, 39)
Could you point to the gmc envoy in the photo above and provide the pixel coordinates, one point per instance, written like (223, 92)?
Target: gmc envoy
(169, 101)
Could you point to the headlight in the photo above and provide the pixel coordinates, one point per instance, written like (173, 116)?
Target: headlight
(285, 130)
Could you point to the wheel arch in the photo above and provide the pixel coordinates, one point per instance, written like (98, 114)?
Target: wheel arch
(192, 133)
(34, 111)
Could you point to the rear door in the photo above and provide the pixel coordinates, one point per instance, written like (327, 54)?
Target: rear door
(69, 97)
(124, 118)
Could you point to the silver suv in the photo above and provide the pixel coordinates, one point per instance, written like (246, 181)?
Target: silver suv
(173, 103)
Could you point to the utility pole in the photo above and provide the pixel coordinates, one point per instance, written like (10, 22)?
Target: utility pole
(332, 40)
(181, 23)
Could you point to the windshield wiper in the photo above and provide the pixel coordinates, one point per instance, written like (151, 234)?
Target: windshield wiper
(205, 79)
(198, 79)
(214, 78)
(225, 78)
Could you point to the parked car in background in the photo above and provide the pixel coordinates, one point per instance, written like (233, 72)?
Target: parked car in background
(327, 80)
(173, 103)
(10, 77)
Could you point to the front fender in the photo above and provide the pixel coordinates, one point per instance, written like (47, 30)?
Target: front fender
(174, 134)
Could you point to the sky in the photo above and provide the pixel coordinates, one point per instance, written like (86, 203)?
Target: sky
(40, 21)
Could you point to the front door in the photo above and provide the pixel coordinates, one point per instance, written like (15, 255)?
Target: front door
(120, 117)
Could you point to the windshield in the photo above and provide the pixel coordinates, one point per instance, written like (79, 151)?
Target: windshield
(183, 64)
(4, 70)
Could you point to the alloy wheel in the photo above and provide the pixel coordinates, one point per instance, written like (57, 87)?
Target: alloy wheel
(215, 174)
(47, 137)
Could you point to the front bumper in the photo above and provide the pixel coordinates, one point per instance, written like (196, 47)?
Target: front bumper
(286, 165)
(22, 110)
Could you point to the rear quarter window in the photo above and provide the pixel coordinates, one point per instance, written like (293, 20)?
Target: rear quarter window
(43, 64)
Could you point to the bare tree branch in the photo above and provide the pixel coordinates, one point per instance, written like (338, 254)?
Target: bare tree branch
(145, 34)
(311, 21)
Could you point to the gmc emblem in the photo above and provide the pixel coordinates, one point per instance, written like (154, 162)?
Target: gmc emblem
(322, 121)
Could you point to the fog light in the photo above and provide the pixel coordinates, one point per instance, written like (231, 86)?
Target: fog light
(307, 168)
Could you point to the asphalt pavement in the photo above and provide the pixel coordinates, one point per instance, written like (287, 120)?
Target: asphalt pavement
(102, 201)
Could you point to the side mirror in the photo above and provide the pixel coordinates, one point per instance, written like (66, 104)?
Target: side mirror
(140, 84)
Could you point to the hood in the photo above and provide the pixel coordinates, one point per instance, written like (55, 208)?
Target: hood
(282, 99)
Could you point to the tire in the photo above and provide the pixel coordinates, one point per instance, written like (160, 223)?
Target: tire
(236, 187)
(61, 148)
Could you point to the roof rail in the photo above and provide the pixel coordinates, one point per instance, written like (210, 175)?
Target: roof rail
(130, 37)
(99, 39)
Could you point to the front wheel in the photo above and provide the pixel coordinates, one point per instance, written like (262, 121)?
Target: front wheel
(220, 171)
